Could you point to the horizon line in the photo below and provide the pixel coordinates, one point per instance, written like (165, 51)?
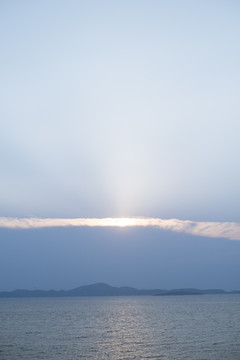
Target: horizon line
(94, 284)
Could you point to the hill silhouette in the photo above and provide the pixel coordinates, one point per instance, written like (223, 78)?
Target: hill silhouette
(102, 289)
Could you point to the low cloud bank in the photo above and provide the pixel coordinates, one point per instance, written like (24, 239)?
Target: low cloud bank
(228, 230)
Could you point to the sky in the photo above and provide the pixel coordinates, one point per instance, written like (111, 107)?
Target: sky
(114, 109)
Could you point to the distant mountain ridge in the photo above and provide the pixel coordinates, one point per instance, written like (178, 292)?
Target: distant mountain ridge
(102, 289)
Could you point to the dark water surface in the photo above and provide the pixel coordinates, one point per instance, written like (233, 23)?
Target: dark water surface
(173, 327)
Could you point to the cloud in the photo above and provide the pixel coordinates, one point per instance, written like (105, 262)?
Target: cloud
(228, 230)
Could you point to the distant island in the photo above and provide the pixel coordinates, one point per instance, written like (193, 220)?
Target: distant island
(101, 289)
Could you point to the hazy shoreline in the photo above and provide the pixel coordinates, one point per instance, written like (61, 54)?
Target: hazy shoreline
(101, 289)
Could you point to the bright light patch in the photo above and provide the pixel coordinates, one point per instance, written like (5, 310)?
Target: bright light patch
(122, 222)
(229, 230)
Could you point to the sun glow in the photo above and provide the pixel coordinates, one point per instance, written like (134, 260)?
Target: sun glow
(229, 230)
(121, 222)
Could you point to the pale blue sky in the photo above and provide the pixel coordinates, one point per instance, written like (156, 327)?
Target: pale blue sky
(145, 258)
(118, 108)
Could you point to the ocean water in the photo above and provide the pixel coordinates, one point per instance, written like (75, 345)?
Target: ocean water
(203, 327)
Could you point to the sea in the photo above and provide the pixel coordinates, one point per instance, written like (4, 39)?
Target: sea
(197, 327)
